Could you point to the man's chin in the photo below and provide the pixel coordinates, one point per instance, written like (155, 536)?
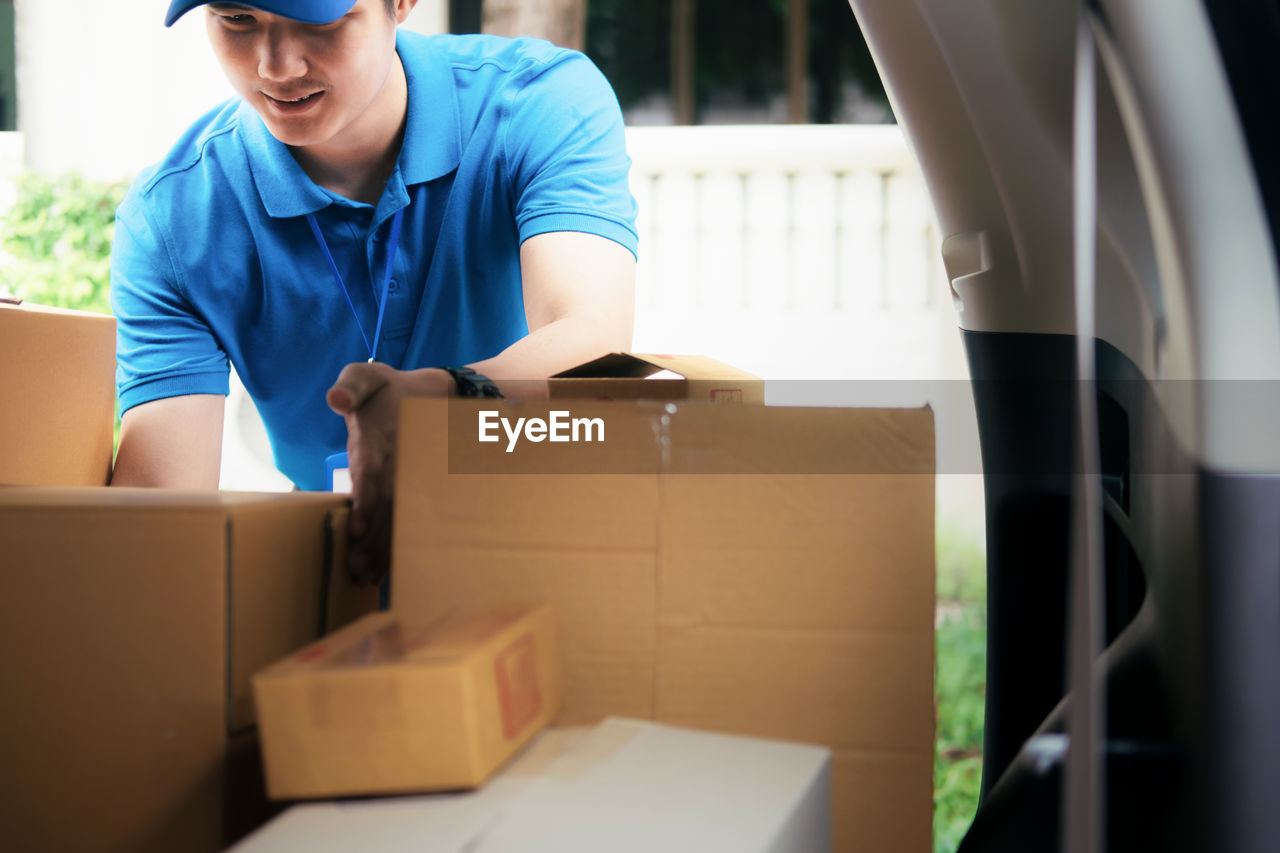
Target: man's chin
(293, 136)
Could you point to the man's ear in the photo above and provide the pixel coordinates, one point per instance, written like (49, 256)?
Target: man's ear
(403, 8)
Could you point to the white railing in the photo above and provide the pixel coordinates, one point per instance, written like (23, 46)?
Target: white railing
(790, 251)
(805, 252)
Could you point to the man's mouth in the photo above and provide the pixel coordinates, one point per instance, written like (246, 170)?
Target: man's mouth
(295, 104)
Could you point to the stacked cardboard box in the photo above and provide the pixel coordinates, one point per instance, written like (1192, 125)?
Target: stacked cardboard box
(57, 396)
(132, 621)
(757, 570)
(753, 570)
(393, 704)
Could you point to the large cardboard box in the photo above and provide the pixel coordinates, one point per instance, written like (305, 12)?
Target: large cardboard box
(131, 622)
(391, 705)
(623, 787)
(654, 376)
(57, 396)
(759, 570)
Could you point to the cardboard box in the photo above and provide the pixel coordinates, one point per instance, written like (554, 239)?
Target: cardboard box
(766, 571)
(391, 705)
(132, 620)
(57, 396)
(636, 376)
(623, 787)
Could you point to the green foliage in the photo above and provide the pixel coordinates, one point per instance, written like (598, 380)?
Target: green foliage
(962, 566)
(55, 242)
(960, 685)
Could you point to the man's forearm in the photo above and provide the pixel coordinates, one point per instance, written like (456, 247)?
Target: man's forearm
(520, 369)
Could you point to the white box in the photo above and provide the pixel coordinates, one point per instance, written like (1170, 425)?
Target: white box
(622, 786)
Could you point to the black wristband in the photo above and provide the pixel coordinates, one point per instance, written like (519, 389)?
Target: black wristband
(472, 384)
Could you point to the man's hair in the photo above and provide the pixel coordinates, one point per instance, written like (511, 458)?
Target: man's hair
(390, 6)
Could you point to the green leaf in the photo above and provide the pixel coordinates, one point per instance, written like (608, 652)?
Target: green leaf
(55, 241)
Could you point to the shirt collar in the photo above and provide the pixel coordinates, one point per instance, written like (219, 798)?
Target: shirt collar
(285, 189)
(430, 150)
(432, 146)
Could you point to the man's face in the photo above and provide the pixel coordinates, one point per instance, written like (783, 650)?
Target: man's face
(310, 83)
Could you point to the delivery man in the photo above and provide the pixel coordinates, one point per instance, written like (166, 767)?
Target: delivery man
(378, 214)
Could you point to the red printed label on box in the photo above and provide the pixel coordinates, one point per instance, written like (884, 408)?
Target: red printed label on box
(516, 668)
(726, 395)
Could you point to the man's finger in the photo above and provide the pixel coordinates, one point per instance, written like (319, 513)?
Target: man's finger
(356, 383)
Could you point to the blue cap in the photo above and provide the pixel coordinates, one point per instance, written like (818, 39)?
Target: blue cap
(306, 11)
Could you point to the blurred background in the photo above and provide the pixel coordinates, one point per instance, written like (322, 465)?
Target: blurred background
(784, 227)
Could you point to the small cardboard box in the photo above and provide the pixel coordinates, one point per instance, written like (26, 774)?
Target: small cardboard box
(624, 786)
(390, 705)
(636, 376)
(57, 396)
(132, 620)
(760, 570)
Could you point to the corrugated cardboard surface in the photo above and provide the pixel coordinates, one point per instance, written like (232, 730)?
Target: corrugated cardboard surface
(625, 376)
(57, 396)
(788, 605)
(621, 786)
(389, 705)
(132, 620)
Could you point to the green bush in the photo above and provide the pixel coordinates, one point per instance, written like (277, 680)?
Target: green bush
(55, 242)
(960, 684)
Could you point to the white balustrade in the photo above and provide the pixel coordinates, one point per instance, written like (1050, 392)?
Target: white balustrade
(791, 250)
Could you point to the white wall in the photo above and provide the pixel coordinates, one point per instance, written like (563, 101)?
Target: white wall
(104, 88)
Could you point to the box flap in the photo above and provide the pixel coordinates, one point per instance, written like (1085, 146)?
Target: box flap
(636, 376)
(623, 365)
(282, 592)
(615, 364)
(119, 497)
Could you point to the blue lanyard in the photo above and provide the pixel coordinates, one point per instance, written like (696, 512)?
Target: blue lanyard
(393, 241)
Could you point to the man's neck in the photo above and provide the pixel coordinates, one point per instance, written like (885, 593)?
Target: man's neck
(357, 163)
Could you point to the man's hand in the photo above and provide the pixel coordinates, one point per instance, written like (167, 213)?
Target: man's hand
(579, 296)
(368, 396)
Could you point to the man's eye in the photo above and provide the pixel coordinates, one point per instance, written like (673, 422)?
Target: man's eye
(238, 20)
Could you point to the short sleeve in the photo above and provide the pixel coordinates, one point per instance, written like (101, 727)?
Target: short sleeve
(163, 347)
(566, 148)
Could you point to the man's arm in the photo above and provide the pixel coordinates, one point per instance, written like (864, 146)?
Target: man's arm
(174, 443)
(579, 295)
(579, 299)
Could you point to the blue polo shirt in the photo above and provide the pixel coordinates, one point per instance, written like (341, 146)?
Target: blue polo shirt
(214, 262)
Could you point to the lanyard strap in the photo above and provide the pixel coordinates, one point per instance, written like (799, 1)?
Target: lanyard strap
(393, 242)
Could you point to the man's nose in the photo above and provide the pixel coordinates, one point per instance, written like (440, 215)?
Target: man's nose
(280, 56)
